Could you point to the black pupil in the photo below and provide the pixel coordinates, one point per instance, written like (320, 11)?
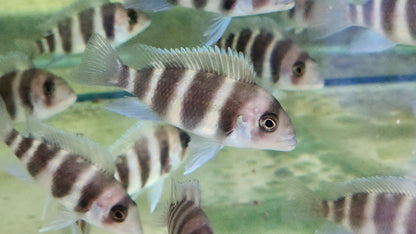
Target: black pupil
(132, 16)
(299, 68)
(118, 214)
(269, 123)
(48, 88)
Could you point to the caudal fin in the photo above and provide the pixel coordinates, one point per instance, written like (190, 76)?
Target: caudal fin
(100, 64)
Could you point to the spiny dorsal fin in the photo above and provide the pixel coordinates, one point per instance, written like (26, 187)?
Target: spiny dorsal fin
(75, 144)
(14, 61)
(188, 190)
(69, 11)
(219, 61)
(383, 184)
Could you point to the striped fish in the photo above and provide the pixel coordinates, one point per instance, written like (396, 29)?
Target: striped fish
(372, 205)
(84, 189)
(392, 19)
(156, 152)
(29, 91)
(185, 213)
(278, 61)
(69, 34)
(223, 9)
(205, 91)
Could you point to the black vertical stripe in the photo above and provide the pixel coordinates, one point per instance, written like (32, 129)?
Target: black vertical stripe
(50, 39)
(179, 211)
(199, 3)
(185, 139)
(108, 12)
(229, 41)
(230, 111)
(67, 175)
(92, 191)
(339, 206)
(308, 9)
(357, 208)
(65, 32)
(39, 45)
(198, 98)
(41, 158)
(25, 88)
(142, 82)
(280, 50)
(11, 137)
(6, 93)
(258, 50)
(123, 77)
(243, 40)
(23, 147)
(386, 211)
(387, 14)
(123, 170)
(228, 5)
(165, 88)
(411, 16)
(163, 141)
(325, 209)
(86, 22)
(143, 155)
(368, 10)
(194, 221)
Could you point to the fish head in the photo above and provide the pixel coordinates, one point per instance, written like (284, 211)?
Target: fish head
(254, 7)
(128, 23)
(263, 124)
(114, 211)
(298, 71)
(49, 94)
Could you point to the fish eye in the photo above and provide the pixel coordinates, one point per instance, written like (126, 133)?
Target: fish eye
(132, 14)
(298, 68)
(118, 213)
(48, 88)
(269, 122)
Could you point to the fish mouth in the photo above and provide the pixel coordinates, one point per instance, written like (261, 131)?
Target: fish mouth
(288, 144)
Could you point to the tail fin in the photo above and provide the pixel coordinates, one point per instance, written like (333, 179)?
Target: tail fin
(100, 64)
(302, 203)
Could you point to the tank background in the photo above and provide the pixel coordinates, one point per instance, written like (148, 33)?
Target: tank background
(343, 132)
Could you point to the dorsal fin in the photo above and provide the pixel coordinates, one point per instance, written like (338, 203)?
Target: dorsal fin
(69, 11)
(14, 61)
(219, 61)
(383, 184)
(75, 144)
(188, 190)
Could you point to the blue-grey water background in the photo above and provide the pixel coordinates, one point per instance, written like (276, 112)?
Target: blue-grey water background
(343, 131)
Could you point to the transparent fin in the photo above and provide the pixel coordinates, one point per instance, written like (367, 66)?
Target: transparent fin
(12, 166)
(100, 64)
(132, 108)
(189, 190)
(216, 28)
(154, 193)
(80, 227)
(368, 41)
(146, 5)
(27, 47)
(15, 61)
(47, 207)
(200, 151)
(63, 218)
(5, 121)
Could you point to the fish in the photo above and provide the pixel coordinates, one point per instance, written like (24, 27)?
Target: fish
(30, 91)
(154, 152)
(388, 22)
(185, 214)
(368, 205)
(223, 10)
(205, 91)
(278, 61)
(69, 30)
(85, 188)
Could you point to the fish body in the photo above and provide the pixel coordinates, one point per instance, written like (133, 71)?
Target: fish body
(204, 91)
(85, 190)
(393, 19)
(157, 151)
(278, 61)
(372, 205)
(70, 34)
(34, 92)
(185, 213)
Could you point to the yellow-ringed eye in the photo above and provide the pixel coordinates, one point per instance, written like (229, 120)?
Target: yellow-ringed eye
(48, 88)
(298, 68)
(118, 213)
(268, 122)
